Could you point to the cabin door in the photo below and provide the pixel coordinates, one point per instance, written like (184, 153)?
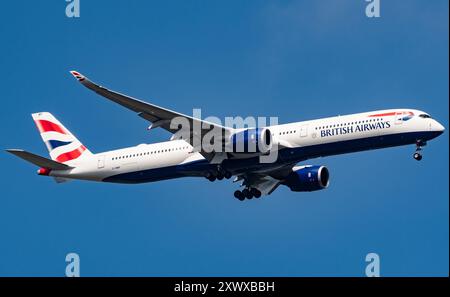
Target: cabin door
(304, 131)
(101, 162)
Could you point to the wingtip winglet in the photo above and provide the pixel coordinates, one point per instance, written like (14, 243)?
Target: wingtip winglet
(80, 77)
(12, 151)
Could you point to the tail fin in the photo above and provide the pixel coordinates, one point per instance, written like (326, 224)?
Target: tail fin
(62, 145)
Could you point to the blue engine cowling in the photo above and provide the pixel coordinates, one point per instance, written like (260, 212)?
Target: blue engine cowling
(308, 178)
(255, 140)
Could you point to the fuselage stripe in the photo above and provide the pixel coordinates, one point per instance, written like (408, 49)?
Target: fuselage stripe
(384, 114)
(391, 114)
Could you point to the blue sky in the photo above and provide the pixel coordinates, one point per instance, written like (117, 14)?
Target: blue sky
(294, 59)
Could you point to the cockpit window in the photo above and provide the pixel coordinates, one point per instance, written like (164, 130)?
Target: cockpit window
(424, 116)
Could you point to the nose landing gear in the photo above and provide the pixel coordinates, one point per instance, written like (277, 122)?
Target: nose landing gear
(417, 155)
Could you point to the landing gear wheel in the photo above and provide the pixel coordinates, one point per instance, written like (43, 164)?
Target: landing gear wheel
(227, 175)
(247, 194)
(255, 192)
(220, 176)
(417, 156)
(212, 178)
(239, 195)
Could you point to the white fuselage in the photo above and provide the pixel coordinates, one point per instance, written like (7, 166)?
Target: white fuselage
(300, 141)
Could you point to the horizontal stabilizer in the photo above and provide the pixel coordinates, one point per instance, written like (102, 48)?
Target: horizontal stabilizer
(38, 160)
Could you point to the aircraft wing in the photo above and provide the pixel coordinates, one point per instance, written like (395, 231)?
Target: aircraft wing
(159, 116)
(266, 182)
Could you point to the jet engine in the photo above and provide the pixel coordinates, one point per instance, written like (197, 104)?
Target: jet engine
(308, 178)
(254, 140)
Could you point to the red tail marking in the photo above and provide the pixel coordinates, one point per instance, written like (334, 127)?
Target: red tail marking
(71, 155)
(47, 126)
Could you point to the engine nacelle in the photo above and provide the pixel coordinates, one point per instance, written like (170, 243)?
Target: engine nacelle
(255, 140)
(308, 178)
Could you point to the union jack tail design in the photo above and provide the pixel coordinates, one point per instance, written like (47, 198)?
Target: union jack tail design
(78, 75)
(62, 145)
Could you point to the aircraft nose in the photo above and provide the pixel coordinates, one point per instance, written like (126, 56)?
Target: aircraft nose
(437, 127)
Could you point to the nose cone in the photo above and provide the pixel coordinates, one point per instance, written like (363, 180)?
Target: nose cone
(437, 127)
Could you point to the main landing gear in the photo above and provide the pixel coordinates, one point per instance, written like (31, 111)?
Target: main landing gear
(248, 193)
(219, 174)
(417, 155)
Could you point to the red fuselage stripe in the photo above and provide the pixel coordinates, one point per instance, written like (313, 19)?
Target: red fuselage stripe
(391, 114)
(383, 114)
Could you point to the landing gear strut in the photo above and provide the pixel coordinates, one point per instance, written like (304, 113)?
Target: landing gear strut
(417, 155)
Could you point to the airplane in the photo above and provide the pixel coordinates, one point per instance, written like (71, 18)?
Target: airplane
(183, 157)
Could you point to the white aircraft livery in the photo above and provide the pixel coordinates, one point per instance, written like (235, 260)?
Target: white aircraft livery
(187, 155)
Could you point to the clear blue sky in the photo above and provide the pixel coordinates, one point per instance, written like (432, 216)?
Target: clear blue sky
(294, 59)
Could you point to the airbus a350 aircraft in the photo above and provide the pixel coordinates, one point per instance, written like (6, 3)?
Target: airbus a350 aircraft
(180, 157)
